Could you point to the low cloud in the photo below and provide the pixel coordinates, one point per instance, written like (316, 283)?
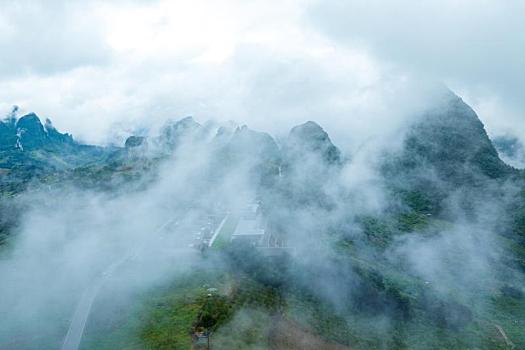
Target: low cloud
(475, 47)
(51, 37)
(102, 71)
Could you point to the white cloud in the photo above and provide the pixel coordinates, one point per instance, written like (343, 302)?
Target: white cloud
(475, 47)
(38, 37)
(103, 68)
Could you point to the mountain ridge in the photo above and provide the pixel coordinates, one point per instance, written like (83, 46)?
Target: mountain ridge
(450, 139)
(344, 262)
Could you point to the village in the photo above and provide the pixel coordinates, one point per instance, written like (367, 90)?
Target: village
(245, 226)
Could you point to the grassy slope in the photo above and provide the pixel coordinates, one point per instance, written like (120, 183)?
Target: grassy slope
(420, 330)
(160, 318)
(163, 317)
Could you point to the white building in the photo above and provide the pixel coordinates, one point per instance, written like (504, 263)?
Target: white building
(251, 226)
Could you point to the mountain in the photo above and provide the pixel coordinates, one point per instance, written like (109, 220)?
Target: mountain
(451, 140)
(28, 133)
(310, 139)
(310, 164)
(401, 276)
(174, 132)
(446, 151)
(30, 149)
(134, 141)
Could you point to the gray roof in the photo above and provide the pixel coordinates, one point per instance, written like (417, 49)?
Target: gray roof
(248, 227)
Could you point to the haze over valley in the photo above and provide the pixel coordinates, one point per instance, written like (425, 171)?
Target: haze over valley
(256, 175)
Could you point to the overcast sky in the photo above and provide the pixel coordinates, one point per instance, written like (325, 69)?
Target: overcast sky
(101, 71)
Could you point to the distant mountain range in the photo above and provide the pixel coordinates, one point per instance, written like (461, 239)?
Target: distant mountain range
(446, 150)
(451, 140)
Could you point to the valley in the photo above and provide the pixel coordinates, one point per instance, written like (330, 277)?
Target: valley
(209, 233)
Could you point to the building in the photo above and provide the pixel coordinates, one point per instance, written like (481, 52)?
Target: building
(249, 230)
(251, 226)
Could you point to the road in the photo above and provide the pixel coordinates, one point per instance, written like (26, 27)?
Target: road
(81, 314)
(218, 230)
(78, 323)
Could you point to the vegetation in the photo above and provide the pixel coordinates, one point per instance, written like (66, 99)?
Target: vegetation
(166, 317)
(356, 294)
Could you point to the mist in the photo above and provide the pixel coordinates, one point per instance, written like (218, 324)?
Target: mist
(375, 159)
(314, 196)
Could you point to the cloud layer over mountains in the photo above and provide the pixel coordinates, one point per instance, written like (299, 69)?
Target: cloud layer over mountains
(398, 234)
(102, 70)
